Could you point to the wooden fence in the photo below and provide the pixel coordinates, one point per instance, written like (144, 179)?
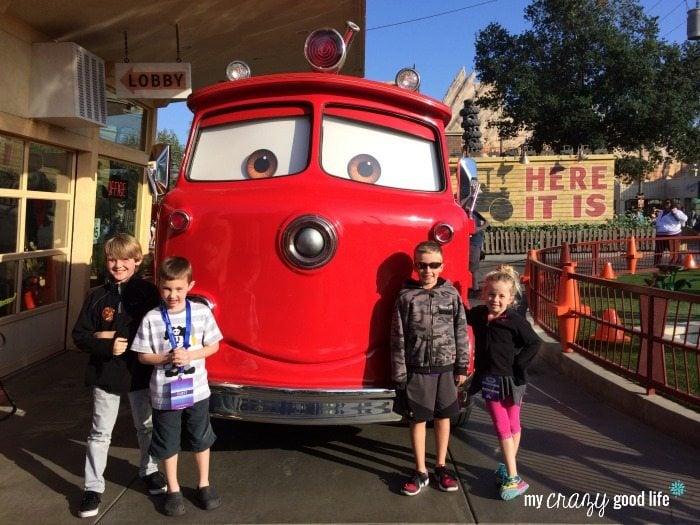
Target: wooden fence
(504, 241)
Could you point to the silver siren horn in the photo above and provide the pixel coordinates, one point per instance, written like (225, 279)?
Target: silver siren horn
(326, 50)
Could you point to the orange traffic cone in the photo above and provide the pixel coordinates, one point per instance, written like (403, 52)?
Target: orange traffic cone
(689, 262)
(611, 334)
(607, 272)
(632, 255)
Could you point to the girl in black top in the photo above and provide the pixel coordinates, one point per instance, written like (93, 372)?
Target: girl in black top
(505, 346)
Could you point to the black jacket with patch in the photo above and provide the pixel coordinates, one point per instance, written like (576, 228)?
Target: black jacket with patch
(109, 308)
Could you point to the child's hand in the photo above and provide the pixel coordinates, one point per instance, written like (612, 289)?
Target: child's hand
(120, 344)
(459, 380)
(180, 357)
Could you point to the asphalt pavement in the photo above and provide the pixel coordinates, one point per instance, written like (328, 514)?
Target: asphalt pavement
(586, 460)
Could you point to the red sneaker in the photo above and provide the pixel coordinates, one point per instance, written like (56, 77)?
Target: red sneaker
(446, 482)
(417, 482)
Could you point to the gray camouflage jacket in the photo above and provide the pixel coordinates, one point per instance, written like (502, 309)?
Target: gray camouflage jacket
(428, 331)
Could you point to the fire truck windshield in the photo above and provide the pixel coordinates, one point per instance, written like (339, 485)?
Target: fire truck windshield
(379, 155)
(252, 149)
(384, 154)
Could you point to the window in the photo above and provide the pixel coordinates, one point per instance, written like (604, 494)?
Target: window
(252, 149)
(373, 154)
(115, 208)
(35, 192)
(126, 122)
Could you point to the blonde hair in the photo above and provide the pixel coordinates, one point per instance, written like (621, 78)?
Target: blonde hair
(507, 274)
(123, 246)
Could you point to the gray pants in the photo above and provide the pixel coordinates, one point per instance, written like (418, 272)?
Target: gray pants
(104, 416)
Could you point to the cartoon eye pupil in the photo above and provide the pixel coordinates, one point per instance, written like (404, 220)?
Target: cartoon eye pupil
(364, 168)
(261, 164)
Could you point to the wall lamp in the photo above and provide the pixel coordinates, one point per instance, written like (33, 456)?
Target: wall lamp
(583, 152)
(523, 155)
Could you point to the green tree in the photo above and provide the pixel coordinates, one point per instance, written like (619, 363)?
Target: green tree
(631, 168)
(593, 72)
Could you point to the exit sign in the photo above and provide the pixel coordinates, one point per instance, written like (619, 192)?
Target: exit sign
(153, 80)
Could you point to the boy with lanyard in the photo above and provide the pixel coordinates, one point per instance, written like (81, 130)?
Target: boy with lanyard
(105, 328)
(176, 338)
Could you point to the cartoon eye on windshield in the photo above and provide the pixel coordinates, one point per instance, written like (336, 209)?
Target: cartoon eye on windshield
(252, 149)
(379, 155)
(261, 164)
(364, 168)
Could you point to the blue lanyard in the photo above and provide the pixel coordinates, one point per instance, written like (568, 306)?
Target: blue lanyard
(169, 328)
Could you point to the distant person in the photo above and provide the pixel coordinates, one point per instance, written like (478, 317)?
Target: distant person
(105, 329)
(476, 244)
(430, 354)
(669, 226)
(505, 346)
(176, 338)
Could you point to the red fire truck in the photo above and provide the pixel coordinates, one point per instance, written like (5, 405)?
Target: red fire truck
(299, 201)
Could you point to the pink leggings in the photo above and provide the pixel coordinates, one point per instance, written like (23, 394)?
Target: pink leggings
(505, 416)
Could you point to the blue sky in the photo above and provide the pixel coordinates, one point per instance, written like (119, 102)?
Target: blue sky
(438, 38)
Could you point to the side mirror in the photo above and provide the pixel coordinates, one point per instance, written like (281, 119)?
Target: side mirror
(468, 185)
(158, 169)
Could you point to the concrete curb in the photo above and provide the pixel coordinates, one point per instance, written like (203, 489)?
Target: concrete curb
(656, 411)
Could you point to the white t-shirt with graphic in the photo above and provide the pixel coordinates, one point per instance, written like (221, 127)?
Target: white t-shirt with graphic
(152, 337)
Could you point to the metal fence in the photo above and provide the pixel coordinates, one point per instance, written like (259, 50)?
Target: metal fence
(649, 334)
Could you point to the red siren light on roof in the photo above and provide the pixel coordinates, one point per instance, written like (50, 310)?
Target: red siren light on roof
(326, 50)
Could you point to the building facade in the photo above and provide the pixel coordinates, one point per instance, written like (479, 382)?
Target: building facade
(73, 151)
(71, 173)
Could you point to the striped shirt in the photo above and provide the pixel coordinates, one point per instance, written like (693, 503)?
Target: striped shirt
(152, 337)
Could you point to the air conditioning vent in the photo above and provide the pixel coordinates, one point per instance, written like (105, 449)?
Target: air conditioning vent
(68, 85)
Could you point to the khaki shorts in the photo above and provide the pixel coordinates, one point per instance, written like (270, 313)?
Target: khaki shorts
(431, 396)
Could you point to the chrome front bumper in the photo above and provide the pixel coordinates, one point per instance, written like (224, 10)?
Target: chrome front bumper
(302, 407)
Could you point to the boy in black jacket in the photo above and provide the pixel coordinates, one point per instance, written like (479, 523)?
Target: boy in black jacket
(105, 329)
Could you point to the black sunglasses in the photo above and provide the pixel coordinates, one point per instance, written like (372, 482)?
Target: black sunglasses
(431, 265)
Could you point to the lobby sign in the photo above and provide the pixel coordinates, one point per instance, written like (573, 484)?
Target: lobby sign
(169, 80)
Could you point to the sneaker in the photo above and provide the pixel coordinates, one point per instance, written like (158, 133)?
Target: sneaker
(174, 504)
(513, 487)
(208, 498)
(417, 482)
(156, 483)
(446, 482)
(501, 474)
(90, 505)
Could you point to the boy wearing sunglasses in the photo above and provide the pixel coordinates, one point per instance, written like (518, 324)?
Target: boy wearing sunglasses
(430, 354)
